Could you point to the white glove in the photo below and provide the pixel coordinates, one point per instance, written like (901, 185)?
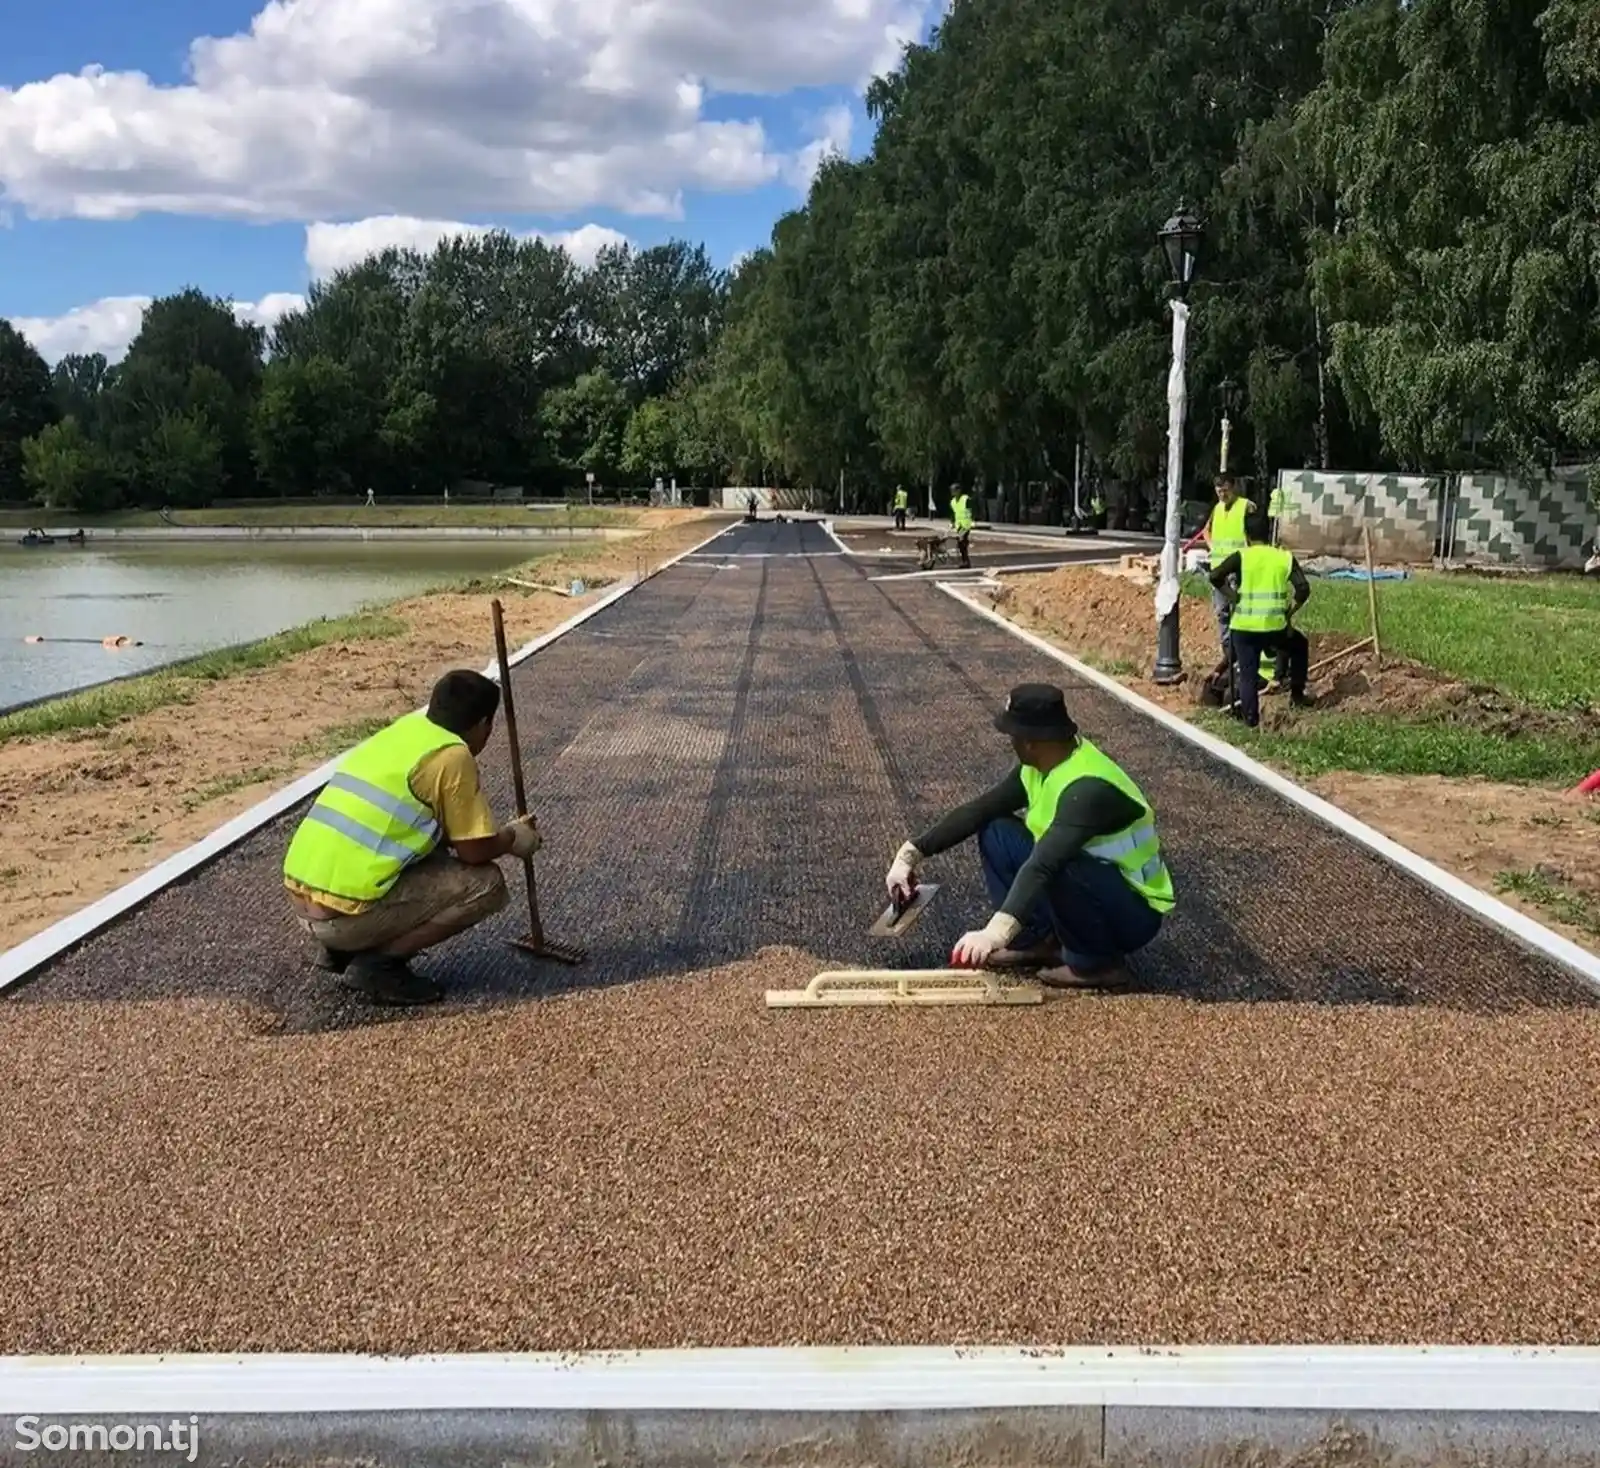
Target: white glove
(525, 837)
(902, 878)
(977, 947)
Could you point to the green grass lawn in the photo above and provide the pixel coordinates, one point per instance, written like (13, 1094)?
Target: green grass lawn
(1534, 639)
(379, 516)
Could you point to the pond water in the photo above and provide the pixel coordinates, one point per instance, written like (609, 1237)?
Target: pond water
(183, 599)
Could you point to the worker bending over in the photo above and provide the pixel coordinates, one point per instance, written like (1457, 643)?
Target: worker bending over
(901, 501)
(1271, 589)
(1078, 881)
(367, 871)
(961, 521)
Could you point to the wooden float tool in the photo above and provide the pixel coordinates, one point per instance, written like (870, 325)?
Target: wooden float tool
(846, 986)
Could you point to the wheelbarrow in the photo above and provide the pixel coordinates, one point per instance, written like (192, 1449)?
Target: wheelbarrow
(933, 551)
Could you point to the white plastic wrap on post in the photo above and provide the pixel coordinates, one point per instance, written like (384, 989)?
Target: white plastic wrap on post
(1177, 402)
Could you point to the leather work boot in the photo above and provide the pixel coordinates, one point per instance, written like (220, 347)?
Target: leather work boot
(387, 980)
(333, 962)
(1113, 976)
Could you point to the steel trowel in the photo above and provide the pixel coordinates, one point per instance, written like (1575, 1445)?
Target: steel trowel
(900, 915)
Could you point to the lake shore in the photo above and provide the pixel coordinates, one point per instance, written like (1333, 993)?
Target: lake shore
(139, 534)
(84, 810)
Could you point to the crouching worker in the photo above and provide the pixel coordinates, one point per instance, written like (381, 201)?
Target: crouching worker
(368, 870)
(1079, 881)
(1271, 589)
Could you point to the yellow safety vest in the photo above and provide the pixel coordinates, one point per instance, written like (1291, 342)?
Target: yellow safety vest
(1227, 529)
(960, 514)
(1263, 589)
(366, 826)
(900, 499)
(1135, 851)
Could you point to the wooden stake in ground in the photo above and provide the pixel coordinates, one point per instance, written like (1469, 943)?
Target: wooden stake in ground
(1372, 617)
(1372, 596)
(536, 942)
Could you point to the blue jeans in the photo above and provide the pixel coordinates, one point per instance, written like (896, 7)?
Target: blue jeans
(1094, 914)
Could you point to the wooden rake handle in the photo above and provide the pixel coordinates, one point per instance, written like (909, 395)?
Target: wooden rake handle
(535, 927)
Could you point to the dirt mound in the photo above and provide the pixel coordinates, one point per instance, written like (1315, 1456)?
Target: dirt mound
(1108, 620)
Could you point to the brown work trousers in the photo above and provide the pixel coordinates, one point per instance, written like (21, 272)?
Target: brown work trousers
(439, 884)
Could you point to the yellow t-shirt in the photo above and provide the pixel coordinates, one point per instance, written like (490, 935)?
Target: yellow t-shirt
(445, 781)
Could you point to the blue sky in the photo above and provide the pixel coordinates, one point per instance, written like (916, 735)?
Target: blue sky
(249, 166)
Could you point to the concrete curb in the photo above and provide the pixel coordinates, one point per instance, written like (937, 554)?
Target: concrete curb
(1515, 925)
(17, 963)
(905, 1407)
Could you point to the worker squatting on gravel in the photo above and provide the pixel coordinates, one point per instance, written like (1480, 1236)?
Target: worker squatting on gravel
(368, 870)
(1079, 880)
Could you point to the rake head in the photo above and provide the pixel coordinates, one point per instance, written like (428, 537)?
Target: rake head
(556, 952)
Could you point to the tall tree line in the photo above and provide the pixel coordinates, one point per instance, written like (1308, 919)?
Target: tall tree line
(492, 359)
(1403, 247)
(1402, 271)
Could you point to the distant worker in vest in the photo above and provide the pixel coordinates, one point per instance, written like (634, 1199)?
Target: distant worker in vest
(1224, 533)
(962, 522)
(368, 871)
(1079, 882)
(902, 502)
(1270, 589)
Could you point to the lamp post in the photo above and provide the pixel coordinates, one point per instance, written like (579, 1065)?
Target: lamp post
(1230, 401)
(1181, 238)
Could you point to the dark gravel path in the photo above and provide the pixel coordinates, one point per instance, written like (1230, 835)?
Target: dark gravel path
(727, 759)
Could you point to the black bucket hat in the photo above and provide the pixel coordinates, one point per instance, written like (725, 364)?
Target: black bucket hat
(1036, 711)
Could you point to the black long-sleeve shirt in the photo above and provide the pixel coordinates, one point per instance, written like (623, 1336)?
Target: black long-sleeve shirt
(1088, 808)
(1233, 566)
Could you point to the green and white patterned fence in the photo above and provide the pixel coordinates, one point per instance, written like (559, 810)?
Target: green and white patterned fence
(1550, 523)
(1323, 514)
(1474, 518)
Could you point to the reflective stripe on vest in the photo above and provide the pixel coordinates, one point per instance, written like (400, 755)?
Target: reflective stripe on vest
(366, 826)
(1135, 850)
(960, 512)
(1227, 529)
(1263, 589)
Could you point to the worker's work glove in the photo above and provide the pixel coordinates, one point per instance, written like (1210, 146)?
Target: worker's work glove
(977, 947)
(902, 878)
(525, 837)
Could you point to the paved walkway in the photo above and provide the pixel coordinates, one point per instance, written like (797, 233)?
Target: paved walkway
(728, 758)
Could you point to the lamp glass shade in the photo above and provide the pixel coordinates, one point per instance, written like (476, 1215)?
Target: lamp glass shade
(1181, 237)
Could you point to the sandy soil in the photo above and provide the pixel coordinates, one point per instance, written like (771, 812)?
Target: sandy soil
(1474, 828)
(83, 813)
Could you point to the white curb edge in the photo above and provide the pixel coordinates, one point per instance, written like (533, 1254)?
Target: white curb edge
(842, 1379)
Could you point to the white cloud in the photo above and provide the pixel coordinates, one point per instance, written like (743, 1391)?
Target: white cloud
(331, 247)
(441, 108)
(832, 140)
(110, 325)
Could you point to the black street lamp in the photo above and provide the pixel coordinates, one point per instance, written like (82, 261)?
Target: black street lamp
(1182, 238)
